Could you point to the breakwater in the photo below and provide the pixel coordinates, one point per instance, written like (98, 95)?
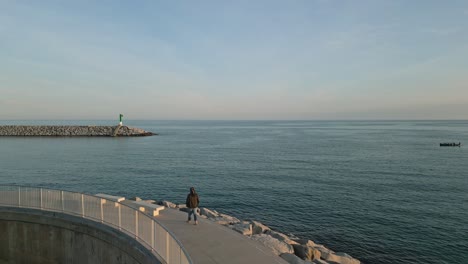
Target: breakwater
(292, 249)
(73, 131)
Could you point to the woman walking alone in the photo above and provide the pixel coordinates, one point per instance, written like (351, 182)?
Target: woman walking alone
(192, 203)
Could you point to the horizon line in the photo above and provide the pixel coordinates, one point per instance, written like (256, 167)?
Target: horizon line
(234, 120)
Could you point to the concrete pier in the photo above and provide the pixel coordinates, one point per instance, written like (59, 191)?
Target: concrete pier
(210, 243)
(52, 226)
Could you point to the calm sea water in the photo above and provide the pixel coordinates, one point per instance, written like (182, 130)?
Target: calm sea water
(383, 192)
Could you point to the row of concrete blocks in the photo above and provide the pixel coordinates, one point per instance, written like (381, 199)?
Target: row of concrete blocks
(149, 208)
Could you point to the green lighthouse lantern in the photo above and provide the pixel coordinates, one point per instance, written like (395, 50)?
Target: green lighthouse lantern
(120, 118)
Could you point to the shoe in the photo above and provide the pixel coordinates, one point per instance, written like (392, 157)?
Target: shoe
(188, 221)
(196, 222)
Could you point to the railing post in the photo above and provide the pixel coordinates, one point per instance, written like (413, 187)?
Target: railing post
(102, 211)
(120, 217)
(152, 235)
(41, 196)
(136, 224)
(19, 196)
(167, 248)
(82, 205)
(62, 200)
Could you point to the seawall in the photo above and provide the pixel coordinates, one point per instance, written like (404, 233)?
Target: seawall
(73, 131)
(33, 236)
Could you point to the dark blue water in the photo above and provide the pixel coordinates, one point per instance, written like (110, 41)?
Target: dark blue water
(384, 192)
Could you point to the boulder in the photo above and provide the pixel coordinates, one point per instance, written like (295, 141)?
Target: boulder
(316, 254)
(323, 249)
(281, 237)
(221, 222)
(225, 220)
(150, 201)
(259, 228)
(136, 199)
(208, 213)
(230, 219)
(277, 235)
(292, 259)
(306, 252)
(306, 242)
(278, 247)
(181, 206)
(341, 258)
(168, 204)
(184, 209)
(244, 229)
(319, 261)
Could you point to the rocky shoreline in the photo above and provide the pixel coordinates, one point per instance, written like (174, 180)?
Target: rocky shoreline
(72, 131)
(291, 249)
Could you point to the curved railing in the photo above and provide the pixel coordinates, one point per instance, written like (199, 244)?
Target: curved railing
(148, 231)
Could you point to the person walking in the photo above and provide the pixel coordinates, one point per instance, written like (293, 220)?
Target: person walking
(192, 203)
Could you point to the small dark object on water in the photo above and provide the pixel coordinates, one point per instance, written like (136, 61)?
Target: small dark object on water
(450, 144)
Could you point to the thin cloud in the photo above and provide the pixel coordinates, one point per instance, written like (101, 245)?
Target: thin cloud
(442, 31)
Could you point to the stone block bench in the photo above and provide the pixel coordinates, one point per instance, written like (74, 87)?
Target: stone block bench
(153, 209)
(111, 197)
(116, 199)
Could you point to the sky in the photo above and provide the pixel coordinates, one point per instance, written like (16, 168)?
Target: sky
(234, 60)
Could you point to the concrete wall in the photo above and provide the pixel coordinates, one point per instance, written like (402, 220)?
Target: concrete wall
(33, 237)
(72, 131)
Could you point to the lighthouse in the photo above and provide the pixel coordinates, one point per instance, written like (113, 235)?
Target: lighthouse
(120, 118)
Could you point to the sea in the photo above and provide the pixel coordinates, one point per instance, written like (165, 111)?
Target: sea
(381, 191)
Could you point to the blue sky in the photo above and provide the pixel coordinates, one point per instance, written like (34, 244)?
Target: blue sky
(316, 59)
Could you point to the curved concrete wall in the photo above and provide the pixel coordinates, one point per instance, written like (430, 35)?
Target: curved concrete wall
(34, 236)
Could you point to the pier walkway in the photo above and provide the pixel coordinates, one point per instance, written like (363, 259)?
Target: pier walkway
(211, 243)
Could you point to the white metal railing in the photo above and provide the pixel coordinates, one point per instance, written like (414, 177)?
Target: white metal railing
(144, 228)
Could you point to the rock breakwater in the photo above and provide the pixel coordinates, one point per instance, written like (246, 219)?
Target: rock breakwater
(292, 249)
(73, 131)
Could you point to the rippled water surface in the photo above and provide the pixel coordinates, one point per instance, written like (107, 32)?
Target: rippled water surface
(384, 192)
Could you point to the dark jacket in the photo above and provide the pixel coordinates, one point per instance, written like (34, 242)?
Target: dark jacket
(192, 200)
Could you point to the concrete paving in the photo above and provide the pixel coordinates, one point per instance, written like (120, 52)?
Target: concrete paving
(210, 243)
